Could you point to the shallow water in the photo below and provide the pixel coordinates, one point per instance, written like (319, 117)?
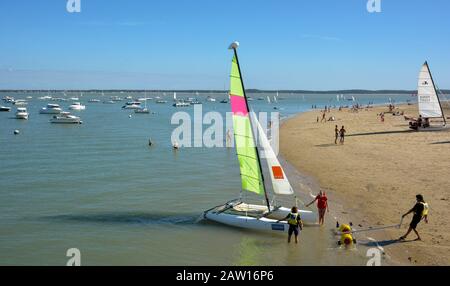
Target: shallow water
(100, 188)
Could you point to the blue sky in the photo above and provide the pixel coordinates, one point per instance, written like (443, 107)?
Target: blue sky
(180, 44)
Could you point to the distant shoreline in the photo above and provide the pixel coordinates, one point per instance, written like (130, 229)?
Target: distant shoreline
(284, 92)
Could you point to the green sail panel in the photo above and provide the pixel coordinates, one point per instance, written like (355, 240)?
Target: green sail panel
(251, 176)
(235, 79)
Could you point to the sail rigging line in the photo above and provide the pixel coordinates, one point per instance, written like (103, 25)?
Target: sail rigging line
(372, 228)
(252, 127)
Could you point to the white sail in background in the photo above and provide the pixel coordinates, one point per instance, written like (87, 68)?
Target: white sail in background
(268, 99)
(429, 105)
(175, 96)
(280, 182)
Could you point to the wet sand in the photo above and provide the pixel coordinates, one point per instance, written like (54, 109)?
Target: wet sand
(373, 178)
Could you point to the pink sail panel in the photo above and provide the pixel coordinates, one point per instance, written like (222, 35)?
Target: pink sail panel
(238, 105)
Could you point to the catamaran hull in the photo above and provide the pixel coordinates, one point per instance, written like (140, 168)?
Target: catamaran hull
(262, 224)
(251, 223)
(268, 223)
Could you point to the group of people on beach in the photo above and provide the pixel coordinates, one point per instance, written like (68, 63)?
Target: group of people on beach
(339, 134)
(420, 212)
(419, 123)
(295, 222)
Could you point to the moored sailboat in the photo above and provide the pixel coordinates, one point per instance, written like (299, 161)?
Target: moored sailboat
(236, 212)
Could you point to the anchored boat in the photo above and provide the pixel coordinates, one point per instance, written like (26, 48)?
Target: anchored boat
(236, 212)
(66, 118)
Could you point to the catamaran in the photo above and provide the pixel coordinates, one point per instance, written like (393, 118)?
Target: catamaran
(429, 103)
(236, 212)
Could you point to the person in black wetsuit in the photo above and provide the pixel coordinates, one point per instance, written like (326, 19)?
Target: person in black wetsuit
(295, 224)
(420, 210)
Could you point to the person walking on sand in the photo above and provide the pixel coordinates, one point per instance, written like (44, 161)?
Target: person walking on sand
(336, 134)
(342, 135)
(420, 211)
(322, 206)
(323, 117)
(295, 224)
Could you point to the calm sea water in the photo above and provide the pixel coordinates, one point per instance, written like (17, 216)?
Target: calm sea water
(100, 188)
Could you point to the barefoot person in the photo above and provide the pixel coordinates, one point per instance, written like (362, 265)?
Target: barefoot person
(336, 134)
(420, 211)
(322, 206)
(295, 224)
(342, 135)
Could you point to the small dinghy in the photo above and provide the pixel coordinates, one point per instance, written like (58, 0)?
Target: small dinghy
(246, 127)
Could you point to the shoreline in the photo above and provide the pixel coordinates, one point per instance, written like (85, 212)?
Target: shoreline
(357, 179)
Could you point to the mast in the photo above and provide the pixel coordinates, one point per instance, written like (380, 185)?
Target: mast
(251, 124)
(437, 95)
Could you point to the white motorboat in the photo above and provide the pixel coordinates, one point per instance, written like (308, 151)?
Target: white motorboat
(181, 104)
(210, 99)
(74, 98)
(22, 113)
(5, 108)
(20, 102)
(45, 97)
(66, 118)
(51, 109)
(109, 102)
(8, 99)
(132, 105)
(161, 101)
(237, 213)
(77, 106)
(142, 110)
(94, 100)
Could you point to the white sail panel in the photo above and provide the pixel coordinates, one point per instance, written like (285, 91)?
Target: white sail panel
(429, 106)
(280, 182)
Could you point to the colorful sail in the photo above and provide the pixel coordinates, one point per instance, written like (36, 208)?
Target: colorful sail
(280, 182)
(251, 176)
(429, 105)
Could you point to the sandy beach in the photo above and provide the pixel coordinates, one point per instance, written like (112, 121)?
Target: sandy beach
(376, 174)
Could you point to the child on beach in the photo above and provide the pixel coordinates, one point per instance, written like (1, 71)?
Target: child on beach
(322, 206)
